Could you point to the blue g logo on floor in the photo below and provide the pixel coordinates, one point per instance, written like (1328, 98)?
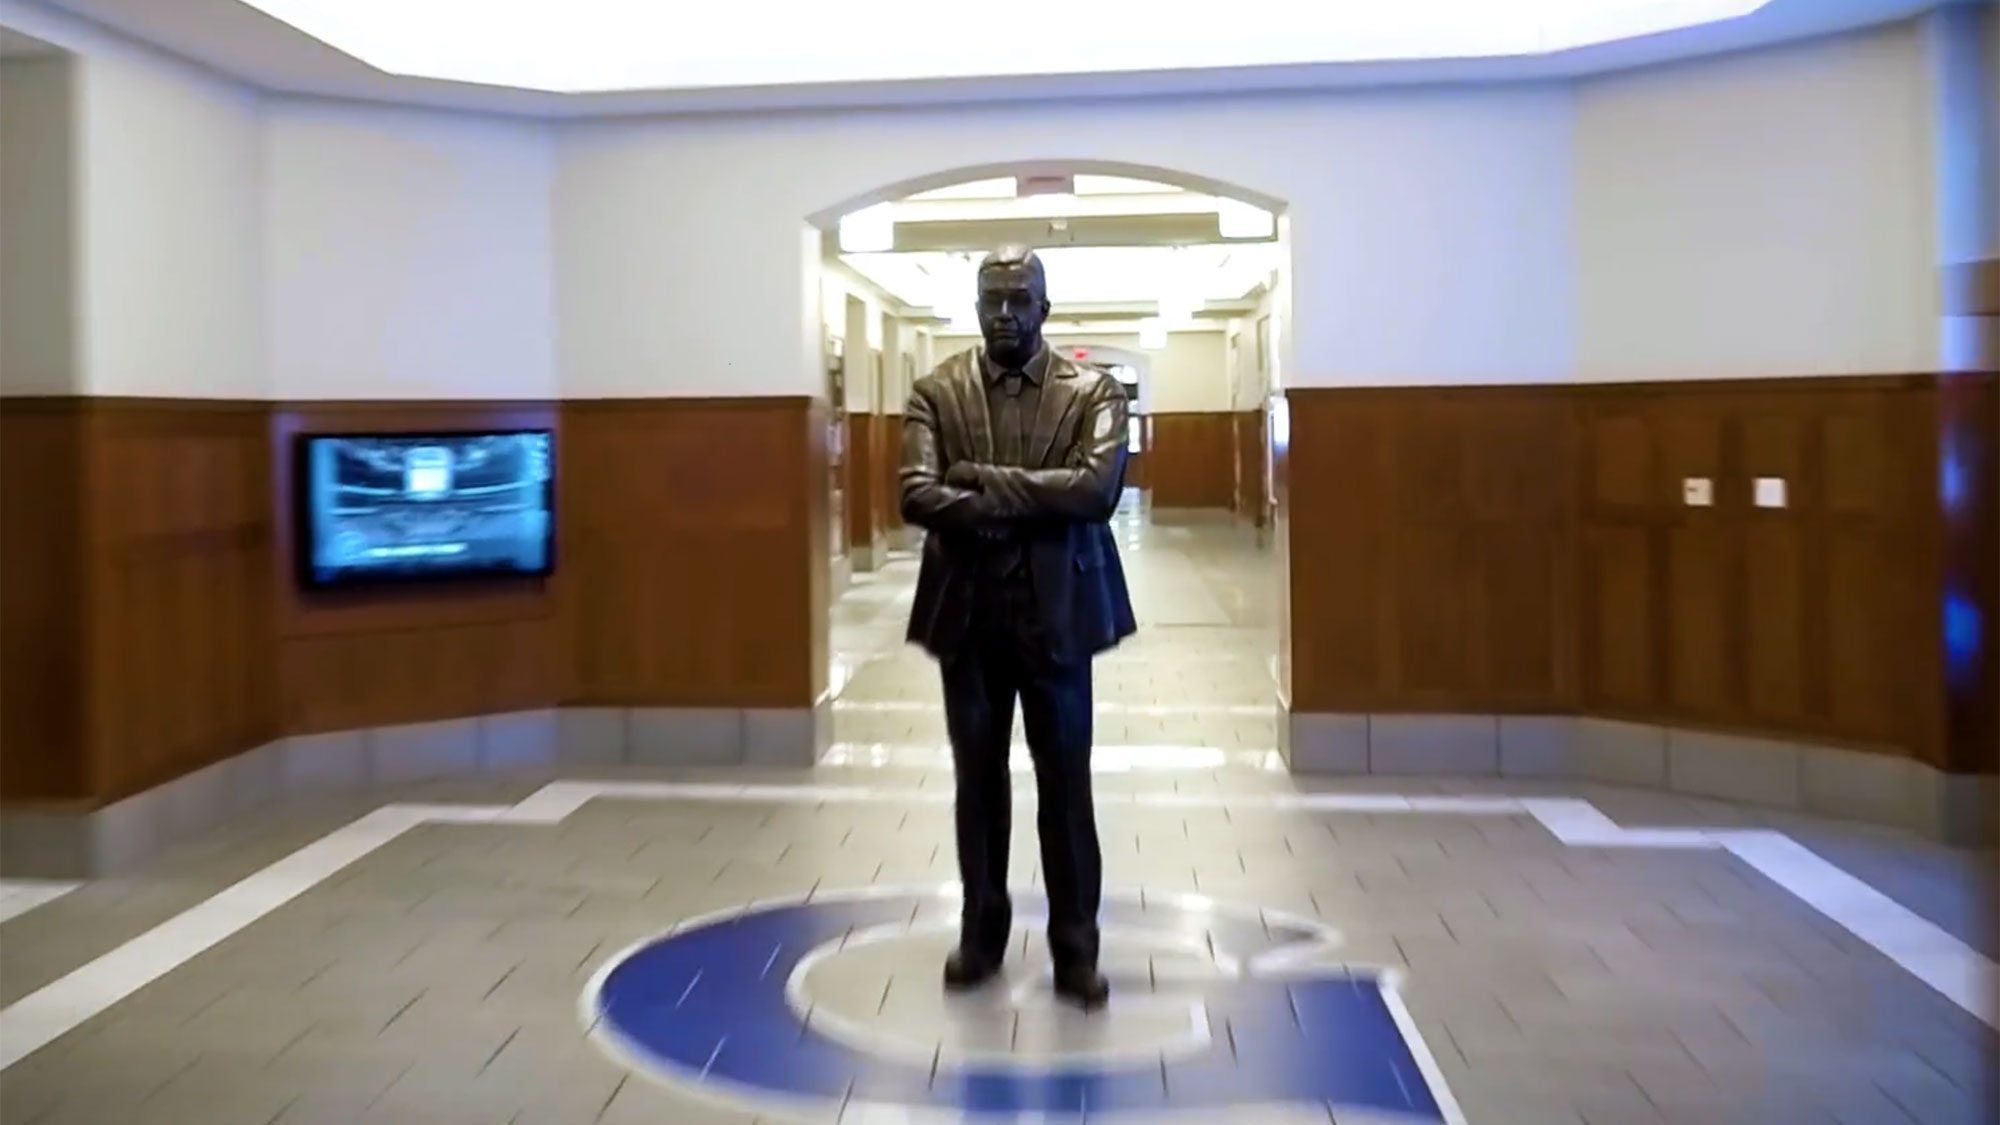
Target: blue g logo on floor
(772, 1008)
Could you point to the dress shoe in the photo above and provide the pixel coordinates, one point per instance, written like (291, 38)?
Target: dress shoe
(965, 970)
(1083, 986)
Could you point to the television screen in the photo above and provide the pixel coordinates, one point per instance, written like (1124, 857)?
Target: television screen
(406, 507)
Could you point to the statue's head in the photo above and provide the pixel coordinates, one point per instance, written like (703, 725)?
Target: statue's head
(1013, 303)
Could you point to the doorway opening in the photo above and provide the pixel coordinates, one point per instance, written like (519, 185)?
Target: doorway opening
(1176, 287)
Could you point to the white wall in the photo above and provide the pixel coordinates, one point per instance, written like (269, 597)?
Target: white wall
(1410, 210)
(169, 179)
(1769, 213)
(408, 255)
(1188, 376)
(1762, 214)
(37, 228)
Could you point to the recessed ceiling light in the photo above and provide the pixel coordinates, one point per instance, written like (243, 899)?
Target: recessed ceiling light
(581, 46)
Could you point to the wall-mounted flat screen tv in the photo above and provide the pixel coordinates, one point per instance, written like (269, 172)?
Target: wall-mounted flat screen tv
(377, 508)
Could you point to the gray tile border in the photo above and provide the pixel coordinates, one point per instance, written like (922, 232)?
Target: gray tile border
(1846, 784)
(421, 751)
(1858, 785)
(1622, 753)
(1754, 771)
(518, 740)
(336, 762)
(1538, 746)
(1434, 744)
(1325, 743)
(254, 778)
(684, 736)
(124, 833)
(793, 737)
(590, 735)
(187, 804)
(1956, 808)
(1875, 788)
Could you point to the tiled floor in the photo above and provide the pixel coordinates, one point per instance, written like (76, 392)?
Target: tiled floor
(1475, 950)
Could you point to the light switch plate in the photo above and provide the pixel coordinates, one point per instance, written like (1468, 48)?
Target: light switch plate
(1698, 492)
(1770, 492)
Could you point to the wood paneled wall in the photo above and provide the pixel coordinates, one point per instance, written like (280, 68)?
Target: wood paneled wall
(42, 583)
(362, 658)
(137, 559)
(889, 469)
(1820, 617)
(1251, 485)
(152, 624)
(1510, 550)
(865, 495)
(1528, 549)
(695, 533)
(1191, 461)
(1430, 550)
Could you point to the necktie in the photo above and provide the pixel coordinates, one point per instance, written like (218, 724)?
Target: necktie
(1010, 418)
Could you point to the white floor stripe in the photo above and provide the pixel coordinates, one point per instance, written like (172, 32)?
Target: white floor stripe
(1955, 970)
(1105, 757)
(52, 1010)
(18, 896)
(1148, 710)
(1930, 954)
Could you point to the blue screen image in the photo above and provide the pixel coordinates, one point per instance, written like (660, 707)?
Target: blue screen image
(410, 506)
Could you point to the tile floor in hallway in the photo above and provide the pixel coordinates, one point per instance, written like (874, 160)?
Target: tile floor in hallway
(578, 948)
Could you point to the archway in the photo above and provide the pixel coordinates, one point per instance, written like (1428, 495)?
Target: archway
(1210, 580)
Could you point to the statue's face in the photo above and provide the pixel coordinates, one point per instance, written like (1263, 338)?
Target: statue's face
(1013, 303)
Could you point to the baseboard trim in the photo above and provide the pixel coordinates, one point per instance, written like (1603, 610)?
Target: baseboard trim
(85, 844)
(1880, 789)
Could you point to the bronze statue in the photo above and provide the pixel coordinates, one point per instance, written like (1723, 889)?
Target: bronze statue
(1013, 462)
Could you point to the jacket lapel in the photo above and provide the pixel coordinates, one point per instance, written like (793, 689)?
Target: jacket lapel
(971, 385)
(1058, 399)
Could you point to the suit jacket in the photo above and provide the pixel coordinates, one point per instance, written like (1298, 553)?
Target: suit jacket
(1058, 503)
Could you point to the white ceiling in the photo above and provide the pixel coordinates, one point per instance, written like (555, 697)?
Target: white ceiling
(767, 54)
(596, 46)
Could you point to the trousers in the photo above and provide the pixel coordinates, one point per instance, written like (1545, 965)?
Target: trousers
(1004, 659)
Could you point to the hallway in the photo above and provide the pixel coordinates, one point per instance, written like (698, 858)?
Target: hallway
(1193, 690)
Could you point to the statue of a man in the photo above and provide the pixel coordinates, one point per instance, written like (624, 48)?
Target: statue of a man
(1013, 462)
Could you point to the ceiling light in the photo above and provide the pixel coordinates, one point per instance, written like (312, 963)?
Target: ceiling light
(1152, 335)
(582, 46)
(869, 230)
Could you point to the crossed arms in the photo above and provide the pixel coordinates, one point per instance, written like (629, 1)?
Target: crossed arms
(968, 496)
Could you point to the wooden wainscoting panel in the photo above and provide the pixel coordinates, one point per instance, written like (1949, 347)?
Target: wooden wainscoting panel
(1431, 550)
(1702, 662)
(1330, 474)
(888, 469)
(42, 685)
(1809, 619)
(378, 657)
(1251, 465)
(864, 515)
(1191, 460)
(693, 523)
(1619, 613)
(177, 616)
